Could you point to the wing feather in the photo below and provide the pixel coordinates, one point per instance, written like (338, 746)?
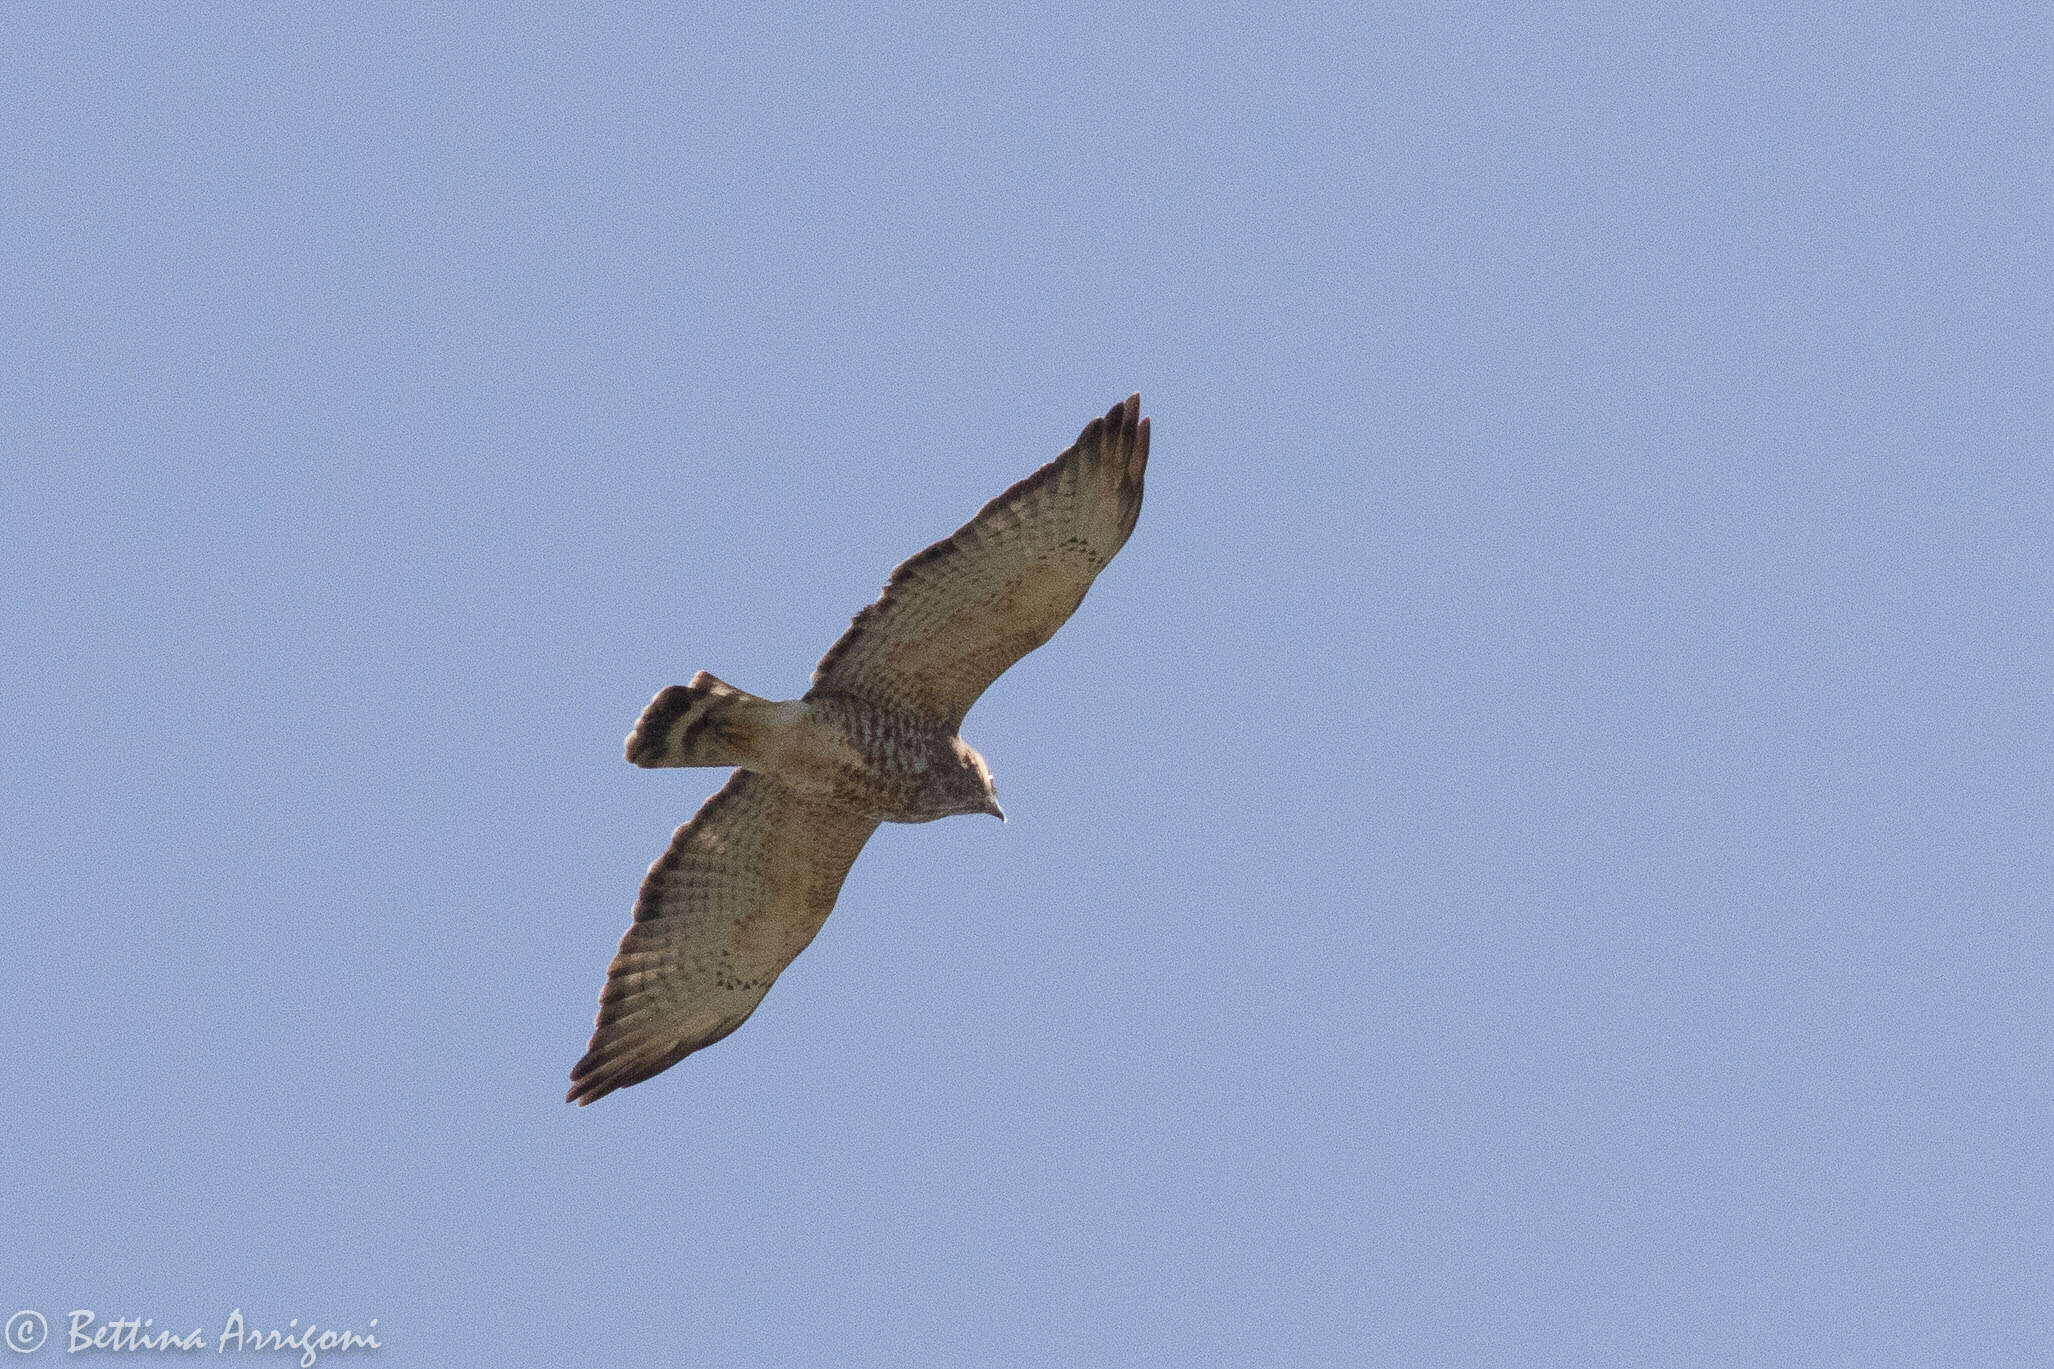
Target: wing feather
(953, 618)
(741, 891)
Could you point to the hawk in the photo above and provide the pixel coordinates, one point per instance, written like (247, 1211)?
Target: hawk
(749, 880)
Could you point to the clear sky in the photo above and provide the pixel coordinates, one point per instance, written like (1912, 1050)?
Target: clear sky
(1537, 853)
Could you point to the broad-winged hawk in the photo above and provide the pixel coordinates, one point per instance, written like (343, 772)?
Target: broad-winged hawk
(747, 882)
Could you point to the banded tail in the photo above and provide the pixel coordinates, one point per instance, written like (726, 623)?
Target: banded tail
(707, 722)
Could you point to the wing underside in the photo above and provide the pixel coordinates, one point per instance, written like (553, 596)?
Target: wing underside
(956, 616)
(742, 889)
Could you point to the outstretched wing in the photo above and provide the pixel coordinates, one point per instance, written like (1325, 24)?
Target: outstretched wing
(742, 889)
(953, 618)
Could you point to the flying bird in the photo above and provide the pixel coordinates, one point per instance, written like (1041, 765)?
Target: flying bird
(749, 880)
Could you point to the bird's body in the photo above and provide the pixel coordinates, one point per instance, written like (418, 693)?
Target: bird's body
(895, 766)
(747, 883)
(886, 763)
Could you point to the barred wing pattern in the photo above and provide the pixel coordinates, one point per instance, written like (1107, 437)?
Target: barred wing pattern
(954, 617)
(741, 891)
(748, 882)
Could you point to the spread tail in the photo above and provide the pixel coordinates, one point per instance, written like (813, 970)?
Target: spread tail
(707, 722)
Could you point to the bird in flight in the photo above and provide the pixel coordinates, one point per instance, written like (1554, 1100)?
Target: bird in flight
(749, 880)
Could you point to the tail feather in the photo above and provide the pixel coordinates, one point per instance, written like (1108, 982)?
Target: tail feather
(707, 722)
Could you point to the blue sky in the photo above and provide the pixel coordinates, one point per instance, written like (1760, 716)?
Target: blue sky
(1536, 853)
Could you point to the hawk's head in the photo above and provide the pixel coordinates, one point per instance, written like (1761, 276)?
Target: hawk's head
(971, 785)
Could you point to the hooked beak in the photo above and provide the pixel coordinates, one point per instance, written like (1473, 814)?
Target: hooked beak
(995, 810)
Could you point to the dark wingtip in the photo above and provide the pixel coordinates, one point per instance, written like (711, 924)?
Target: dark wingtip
(586, 1088)
(1129, 431)
(1119, 420)
(594, 1076)
(1116, 429)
